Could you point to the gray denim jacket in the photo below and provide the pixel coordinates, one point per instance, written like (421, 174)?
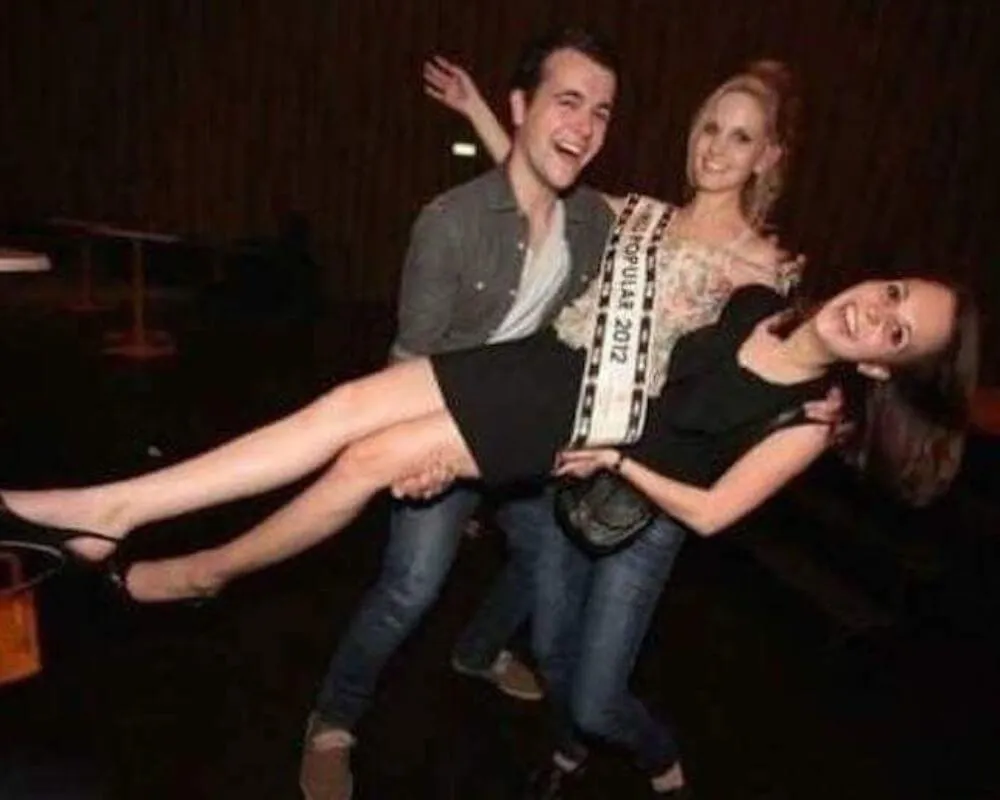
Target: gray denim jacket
(464, 263)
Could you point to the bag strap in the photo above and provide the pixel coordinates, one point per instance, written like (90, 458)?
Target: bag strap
(788, 418)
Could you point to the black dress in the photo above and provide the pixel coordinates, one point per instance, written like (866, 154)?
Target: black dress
(514, 403)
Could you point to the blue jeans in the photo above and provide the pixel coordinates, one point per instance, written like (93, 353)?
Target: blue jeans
(423, 541)
(590, 618)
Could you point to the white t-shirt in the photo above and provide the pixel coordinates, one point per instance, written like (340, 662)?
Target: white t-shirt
(542, 276)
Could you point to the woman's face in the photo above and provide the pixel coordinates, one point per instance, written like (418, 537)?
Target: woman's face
(730, 143)
(887, 322)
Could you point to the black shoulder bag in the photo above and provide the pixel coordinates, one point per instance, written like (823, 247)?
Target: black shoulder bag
(602, 513)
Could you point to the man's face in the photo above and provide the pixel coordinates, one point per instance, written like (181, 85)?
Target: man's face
(562, 127)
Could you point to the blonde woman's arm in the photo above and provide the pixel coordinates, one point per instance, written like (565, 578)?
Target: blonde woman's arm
(452, 86)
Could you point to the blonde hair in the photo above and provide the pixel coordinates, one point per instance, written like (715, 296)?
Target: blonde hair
(770, 83)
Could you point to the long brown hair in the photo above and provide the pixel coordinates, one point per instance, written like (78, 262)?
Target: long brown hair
(914, 427)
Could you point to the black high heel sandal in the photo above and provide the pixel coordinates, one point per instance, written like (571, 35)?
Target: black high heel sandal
(18, 532)
(117, 573)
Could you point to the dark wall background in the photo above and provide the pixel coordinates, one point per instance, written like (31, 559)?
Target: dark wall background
(217, 117)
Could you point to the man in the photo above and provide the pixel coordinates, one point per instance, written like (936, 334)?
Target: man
(491, 260)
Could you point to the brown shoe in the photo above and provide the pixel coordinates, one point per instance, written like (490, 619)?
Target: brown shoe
(508, 674)
(325, 773)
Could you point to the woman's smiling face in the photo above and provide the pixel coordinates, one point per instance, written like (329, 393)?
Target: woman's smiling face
(887, 322)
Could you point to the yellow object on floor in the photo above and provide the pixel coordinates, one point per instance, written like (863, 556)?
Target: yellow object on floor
(20, 652)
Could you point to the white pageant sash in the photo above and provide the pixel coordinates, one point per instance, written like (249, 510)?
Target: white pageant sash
(611, 408)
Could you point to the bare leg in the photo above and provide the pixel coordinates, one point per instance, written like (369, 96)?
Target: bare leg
(266, 458)
(322, 510)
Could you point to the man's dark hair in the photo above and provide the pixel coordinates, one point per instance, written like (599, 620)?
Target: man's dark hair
(528, 72)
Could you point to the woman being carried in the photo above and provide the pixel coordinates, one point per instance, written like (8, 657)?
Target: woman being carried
(370, 432)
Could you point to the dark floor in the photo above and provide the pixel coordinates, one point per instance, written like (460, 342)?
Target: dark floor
(775, 697)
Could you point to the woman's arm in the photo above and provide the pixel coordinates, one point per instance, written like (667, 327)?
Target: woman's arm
(755, 477)
(451, 86)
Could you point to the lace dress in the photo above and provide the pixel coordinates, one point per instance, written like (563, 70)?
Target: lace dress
(693, 283)
(514, 403)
